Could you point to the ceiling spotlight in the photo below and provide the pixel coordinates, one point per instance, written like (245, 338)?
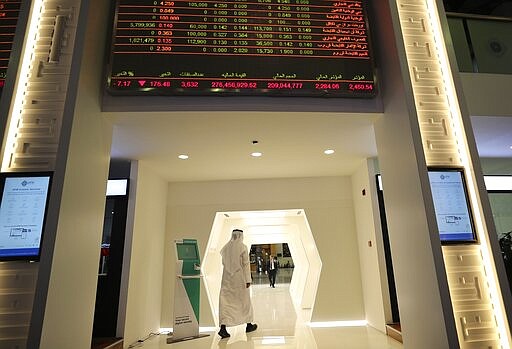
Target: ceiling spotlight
(329, 151)
(256, 154)
(183, 156)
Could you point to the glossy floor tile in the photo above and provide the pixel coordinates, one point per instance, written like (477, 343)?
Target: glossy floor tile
(279, 327)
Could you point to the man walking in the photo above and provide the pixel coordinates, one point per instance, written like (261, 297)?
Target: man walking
(272, 265)
(235, 306)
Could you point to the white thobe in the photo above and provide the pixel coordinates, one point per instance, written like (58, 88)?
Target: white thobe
(235, 306)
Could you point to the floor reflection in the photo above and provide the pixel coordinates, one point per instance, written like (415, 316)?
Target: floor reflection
(281, 327)
(274, 312)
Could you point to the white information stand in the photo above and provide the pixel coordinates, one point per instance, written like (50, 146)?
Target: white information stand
(186, 292)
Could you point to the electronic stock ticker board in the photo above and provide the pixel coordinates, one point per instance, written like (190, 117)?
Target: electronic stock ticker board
(241, 47)
(9, 12)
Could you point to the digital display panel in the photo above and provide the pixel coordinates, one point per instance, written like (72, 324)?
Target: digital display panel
(117, 187)
(241, 47)
(451, 205)
(187, 251)
(9, 12)
(22, 214)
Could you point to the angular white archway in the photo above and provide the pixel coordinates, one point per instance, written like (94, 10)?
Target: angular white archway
(262, 227)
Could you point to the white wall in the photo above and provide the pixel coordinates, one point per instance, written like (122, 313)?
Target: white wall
(500, 203)
(144, 248)
(71, 297)
(487, 94)
(374, 280)
(496, 166)
(328, 204)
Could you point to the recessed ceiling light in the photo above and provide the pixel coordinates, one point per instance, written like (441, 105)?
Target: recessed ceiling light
(183, 156)
(256, 154)
(329, 151)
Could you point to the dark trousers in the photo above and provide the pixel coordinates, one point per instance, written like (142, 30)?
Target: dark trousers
(272, 276)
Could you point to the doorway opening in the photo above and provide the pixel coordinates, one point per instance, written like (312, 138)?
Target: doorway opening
(260, 255)
(288, 227)
(272, 271)
(110, 267)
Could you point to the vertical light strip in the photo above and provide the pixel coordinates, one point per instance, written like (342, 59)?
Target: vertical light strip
(446, 73)
(22, 83)
(445, 143)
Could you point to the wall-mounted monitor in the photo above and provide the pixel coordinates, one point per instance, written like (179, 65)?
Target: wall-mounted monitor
(23, 211)
(451, 204)
(244, 47)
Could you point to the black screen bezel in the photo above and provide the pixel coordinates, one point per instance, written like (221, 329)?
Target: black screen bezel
(462, 174)
(3, 177)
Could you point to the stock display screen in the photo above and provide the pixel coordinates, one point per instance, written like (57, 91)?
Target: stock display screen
(9, 12)
(241, 47)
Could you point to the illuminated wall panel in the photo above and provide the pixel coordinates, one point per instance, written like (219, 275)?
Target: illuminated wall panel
(471, 297)
(36, 115)
(32, 138)
(17, 284)
(474, 289)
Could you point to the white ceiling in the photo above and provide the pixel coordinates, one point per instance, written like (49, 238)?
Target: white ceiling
(493, 136)
(219, 143)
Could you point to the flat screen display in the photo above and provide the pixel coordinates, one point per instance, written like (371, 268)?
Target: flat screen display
(22, 214)
(241, 47)
(187, 251)
(453, 214)
(117, 187)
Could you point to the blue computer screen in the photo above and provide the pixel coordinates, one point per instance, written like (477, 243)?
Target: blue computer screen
(22, 214)
(453, 213)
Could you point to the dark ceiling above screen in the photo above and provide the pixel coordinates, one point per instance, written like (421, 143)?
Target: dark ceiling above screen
(241, 47)
(9, 12)
(495, 8)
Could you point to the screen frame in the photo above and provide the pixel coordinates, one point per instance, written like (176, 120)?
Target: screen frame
(6, 175)
(462, 174)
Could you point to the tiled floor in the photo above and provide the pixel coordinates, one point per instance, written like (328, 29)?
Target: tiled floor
(279, 327)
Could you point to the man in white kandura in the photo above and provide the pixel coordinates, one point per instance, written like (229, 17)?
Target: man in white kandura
(235, 306)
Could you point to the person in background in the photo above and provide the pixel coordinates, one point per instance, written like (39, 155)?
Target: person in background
(235, 306)
(272, 266)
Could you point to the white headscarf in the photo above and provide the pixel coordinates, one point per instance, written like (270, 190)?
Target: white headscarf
(232, 251)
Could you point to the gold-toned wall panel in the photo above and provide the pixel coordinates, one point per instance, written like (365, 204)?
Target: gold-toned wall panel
(17, 284)
(38, 132)
(474, 314)
(429, 91)
(443, 139)
(34, 134)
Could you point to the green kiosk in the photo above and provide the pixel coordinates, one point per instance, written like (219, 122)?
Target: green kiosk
(186, 292)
